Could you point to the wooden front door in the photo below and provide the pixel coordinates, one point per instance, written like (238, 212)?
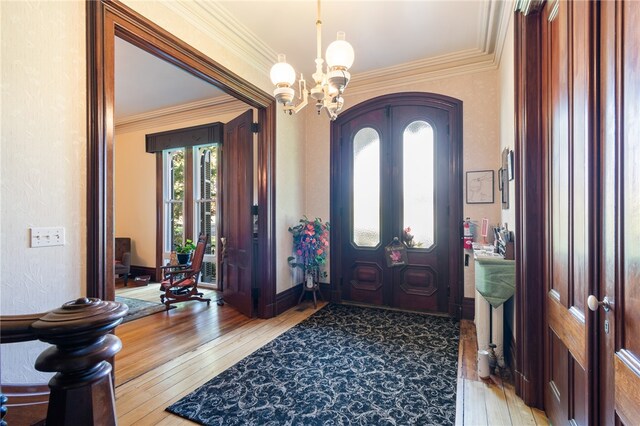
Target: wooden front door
(591, 131)
(395, 182)
(237, 220)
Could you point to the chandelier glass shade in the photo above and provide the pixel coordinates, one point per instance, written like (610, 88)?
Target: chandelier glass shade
(328, 86)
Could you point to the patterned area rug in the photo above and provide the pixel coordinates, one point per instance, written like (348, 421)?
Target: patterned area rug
(140, 308)
(345, 365)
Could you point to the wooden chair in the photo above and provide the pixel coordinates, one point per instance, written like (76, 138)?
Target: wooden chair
(122, 267)
(180, 282)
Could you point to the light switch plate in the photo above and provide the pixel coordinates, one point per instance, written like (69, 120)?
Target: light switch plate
(46, 237)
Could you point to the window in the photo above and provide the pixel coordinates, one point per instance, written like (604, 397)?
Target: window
(174, 187)
(418, 185)
(366, 188)
(206, 203)
(190, 188)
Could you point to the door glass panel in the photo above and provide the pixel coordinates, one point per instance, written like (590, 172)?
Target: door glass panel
(418, 185)
(366, 188)
(206, 205)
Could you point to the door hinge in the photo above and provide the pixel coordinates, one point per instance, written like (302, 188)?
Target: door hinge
(255, 127)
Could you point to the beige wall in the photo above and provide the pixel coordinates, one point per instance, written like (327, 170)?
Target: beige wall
(43, 157)
(135, 179)
(507, 135)
(481, 120)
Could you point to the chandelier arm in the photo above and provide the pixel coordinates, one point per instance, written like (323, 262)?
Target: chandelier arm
(304, 93)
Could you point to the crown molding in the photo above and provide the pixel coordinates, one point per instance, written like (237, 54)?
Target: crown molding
(494, 22)
(506, 15)
(484, 28)
(215, 21)
(403, 75)
(180, 113)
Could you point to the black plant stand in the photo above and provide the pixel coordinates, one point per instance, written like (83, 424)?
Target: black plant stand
(315, 289)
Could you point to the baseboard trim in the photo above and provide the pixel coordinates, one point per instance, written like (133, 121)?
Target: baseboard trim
(137, 270)
(468, 308)
(510, 350)
(287, 299)
(26, 404)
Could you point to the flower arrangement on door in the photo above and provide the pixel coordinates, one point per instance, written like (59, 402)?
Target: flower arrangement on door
(311, 246)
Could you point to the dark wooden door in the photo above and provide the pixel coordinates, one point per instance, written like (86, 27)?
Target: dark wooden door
(591, 76)
(569, 133)
(619, 348)
(395, 179)
(237, 224)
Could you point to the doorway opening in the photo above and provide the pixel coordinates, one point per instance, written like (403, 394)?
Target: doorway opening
(105, 21)
(397, 182)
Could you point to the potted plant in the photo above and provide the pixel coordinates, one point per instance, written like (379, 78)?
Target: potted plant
(184, 251)
(310, 245)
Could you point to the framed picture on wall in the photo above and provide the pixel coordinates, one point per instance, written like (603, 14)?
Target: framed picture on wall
(510, 165)
(504, 179)
(480, 187)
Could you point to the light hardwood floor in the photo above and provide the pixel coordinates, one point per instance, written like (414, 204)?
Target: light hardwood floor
(167, 355)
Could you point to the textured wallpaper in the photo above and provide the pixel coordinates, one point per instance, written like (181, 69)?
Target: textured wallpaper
(43, 163)
(507, 135)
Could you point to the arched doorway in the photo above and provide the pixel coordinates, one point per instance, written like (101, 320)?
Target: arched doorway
(396, 174)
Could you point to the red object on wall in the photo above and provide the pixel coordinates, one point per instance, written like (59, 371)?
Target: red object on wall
(467, 243)
(467, 236)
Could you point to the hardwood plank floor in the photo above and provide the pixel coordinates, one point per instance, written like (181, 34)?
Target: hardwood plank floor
(169, 354)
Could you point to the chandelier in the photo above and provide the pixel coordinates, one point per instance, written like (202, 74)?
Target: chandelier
(329, 85)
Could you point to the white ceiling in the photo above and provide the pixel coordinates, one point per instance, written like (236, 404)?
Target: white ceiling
(144, 83)
(383, 34)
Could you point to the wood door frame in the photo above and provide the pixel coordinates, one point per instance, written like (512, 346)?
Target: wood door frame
(454, 108)
(107, 19)
(530, 206)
